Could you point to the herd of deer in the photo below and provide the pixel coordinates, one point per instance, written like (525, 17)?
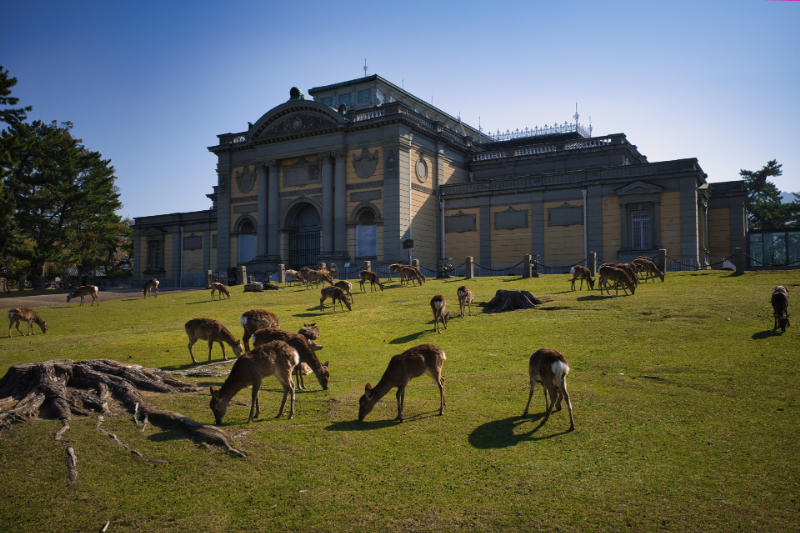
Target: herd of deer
(626, 275)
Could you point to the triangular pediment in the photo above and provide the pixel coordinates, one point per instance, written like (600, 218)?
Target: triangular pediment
(639, 187)
(155, 230)
(296, 116)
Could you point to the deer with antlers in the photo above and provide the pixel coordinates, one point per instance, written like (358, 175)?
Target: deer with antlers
(25, 314)
(304, 346)
(464, 299)
(86, 290)
(208, 329)
(337, 295)
(272, 359)
(414, 362)
(222, 289)
(149, 286)
(549, 367)
(372, 278)
(438, 304)
(256, 319)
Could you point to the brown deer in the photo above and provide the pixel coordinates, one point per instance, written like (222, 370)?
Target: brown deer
(149, 286)
(409, 275)
(373, 279)
(549, 367)
(780, 308)
(26, 314)
(293, 276)
(420, 276)
(414, 362)
(86, 290)
(438, 304)
(396, 268)
(208, 329)
(304, 347)
(272, 359)
(618, 276)
(337, 295)
(255, 319)
(464, 298)
(582, 273)
(316, 276)
(651, 270)
(346, 286)
(309, 331)
(222, 289)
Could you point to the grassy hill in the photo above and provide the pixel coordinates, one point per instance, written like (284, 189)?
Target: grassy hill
(685, 402)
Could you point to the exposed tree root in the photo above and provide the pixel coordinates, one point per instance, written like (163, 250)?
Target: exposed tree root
(137, 453)
(511, 301)
(71, 388)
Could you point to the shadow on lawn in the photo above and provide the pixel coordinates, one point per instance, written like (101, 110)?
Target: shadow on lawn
(355, 425)
(766, 334)
(407, 338)
(501, 434)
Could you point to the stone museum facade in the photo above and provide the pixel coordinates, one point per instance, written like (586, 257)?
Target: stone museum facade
(365, 167)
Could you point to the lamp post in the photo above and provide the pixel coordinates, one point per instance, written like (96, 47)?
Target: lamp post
(584, 192)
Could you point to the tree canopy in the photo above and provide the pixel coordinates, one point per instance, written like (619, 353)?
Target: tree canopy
(764, 207)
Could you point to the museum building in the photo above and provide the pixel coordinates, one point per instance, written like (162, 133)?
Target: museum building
(365, 167)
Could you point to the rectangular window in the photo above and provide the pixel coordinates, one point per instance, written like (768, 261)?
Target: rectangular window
(381, 97)
(640, 226)
(366, 241)
(344, 99)
(154, 255)
(363, 96)
(328, 101)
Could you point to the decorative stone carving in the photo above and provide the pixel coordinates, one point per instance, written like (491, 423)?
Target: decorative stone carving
(422, 170)
(420, 188)
(299, 123)
(390, 163)
(246, 179)
(193, 242)
(365, 163)
(245, 208)
(223, 184)
(365, 185)
(511, 219)
(301, 173)
(365, 196)
(565, 215)
(245, 199)
(460, 222)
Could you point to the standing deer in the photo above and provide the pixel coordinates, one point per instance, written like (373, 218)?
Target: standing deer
(149, 286)
(26, 314)
(337, 295)
(293, 276)
(464, 298)
(319, 275)
(396, 268)
(438, 304)
(581, 273)
(780, 308)
(273, 359)
(651, 271)
(373, 279)
(311, 332)
(409, 275)
(304, 347)
(414, 362)
(208, 329)
(346, 286)
(86, 290)
(222, 289)
(254, 320)
(618, 276)
(549, 367)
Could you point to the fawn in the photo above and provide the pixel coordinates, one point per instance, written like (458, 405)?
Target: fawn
(222, 289)
(211, 330)
(438, 304)
(464, 298)
(346, 286)
(549, 367)
(86, 290)
(255, 319)
(19, 314)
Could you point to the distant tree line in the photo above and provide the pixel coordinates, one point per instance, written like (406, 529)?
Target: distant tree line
(58, 199)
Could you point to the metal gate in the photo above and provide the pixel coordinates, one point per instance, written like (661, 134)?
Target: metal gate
(303, 247)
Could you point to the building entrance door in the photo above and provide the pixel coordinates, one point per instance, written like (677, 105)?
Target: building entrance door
(304, 237)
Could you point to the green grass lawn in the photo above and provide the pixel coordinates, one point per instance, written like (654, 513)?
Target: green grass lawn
(685, 404)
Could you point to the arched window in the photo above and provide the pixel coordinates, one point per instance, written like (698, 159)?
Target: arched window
(247, 242)
(366, 235)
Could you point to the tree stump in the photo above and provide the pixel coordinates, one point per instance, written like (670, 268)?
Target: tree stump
(253, 287)
(511, 301)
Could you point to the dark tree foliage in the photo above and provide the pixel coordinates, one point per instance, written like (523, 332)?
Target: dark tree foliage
(764, 207)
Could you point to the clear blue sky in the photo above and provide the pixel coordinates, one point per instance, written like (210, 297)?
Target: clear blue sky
(151, 84)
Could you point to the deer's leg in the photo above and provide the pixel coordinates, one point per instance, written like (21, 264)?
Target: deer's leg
(300, 375)
(224, 357)
(401, 398)
(525, 413)
(563, 386)
(192, 340)
(437, 377)
(210, 345)
(254, 401)
(30, 327)
(553, 390)
(20, 331)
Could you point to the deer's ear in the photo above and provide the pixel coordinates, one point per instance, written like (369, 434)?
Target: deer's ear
(326, 364)
(213, 391)
(368, 391)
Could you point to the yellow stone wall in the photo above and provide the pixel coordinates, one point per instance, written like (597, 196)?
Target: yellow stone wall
(467, 244)
(508, 246)
(193, 259)
(612, 229)
(423, 226)
(562, 243)
(719, 232)
(234, 188)
(671, 222)
(453, 174)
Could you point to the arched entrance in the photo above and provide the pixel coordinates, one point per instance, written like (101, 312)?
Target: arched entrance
(247, 242)
(303, 225)
(366, 235)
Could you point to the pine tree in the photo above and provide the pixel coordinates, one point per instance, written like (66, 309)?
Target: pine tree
(764, 207)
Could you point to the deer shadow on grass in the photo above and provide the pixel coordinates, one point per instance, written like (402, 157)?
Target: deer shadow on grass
(355, 425)
(766, 334)
(408, 338)
(501, 433)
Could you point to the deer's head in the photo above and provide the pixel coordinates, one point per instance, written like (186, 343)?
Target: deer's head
(323, 375)
(238, 348)
(43, 325)
(365, 403)
(783, 322)
(218, 405)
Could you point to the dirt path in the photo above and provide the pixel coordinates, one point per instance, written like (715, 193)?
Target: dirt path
(45, 300)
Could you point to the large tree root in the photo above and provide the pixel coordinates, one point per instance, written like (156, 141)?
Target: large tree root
(511, 301)
(77, 388)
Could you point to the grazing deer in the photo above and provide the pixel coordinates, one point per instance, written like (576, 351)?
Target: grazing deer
(149, 286)
(255, 319)
(464, 298)
(304, 347)
(651, 270)
(780, 308)
(373, 279)
(26, 314)
(222, 289)
(396, 268)
(86, 290)
(293, 276)
(549, 367)
(409, 275)
(618, 276)
(346, 286)
(438, 304)
(337, 295)
(208, 329)
(309, 331)
(582, 273)
(272, 359)
(414, 362)
(420, 276)
(319, 275)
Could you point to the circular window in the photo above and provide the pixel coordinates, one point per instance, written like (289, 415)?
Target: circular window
(422, 170)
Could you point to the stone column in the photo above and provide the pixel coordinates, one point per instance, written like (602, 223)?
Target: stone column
(662, 260)
(526, 266)
(340, 204)
(261, 235)
(367, 266)
(469, 265)
(592, 263)
(243, 274)
(223, 222)
(739, 259)
(327, 204)
(273, 213)
(281, 273)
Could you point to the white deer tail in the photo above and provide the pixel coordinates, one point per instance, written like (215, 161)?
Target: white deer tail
(10, 315)
(572, 270)
(243, 320)
(560, 369)
(437, 304)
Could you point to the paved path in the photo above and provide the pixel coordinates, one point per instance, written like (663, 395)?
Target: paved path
(44, 300)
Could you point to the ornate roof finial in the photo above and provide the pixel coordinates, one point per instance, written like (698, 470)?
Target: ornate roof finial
(365, 67)
(576, 116)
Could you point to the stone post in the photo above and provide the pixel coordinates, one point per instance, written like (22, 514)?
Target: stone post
(591, 263)
(415, 263)
(243, 275)
(322, 265)
(469, 266)
(281, 273)
(367, 266)
(21, 283)
(209, 278)
(662, 260)
(42, 282)
(526, 266)
(739, 260)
